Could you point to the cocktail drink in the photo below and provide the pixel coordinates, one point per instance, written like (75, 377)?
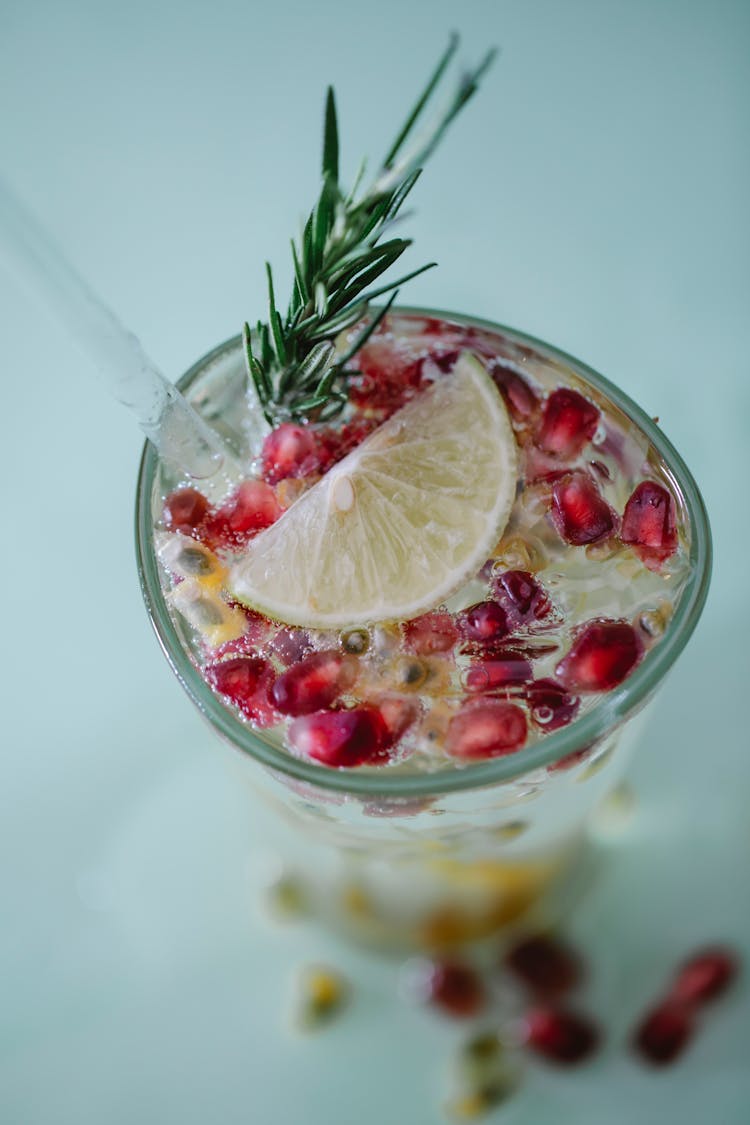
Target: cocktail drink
(439, 744)
(438, 580)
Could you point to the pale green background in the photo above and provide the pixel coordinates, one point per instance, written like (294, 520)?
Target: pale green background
(594, 194)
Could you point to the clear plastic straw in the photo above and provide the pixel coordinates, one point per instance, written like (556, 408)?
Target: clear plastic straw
(179, 433)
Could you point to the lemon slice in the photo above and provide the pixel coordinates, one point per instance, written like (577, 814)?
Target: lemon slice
(401, 522)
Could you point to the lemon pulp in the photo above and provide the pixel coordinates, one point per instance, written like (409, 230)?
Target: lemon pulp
(401, 522)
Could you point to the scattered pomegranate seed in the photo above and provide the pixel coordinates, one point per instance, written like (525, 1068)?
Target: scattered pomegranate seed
(648, 523)
(568, 422)
(502, 669)
(455, 988)
(560, 1035)
(184, 510)
(314, 682)
(664, 1033)
(602, 655)
(288, 451)
(522, 597)
(432, 632)
(705, 976)
(245, 681)
(544, 965)
(486, 730)
(521, 399)
(579, 511)
(551, 704)
(342, 739)
(484, 623)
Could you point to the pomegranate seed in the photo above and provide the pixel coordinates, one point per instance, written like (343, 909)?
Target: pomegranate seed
(704, 976)
(398, 714)
(560, 1035)
(387, 377)
(291, 645)
(484, 623)
(602, 655)
(455, 988)
(551, 705)
(432, 632)
(521, 596)
(502, 669)
(579, 511)
(568, 422)
(522, 401)
(486, 730)
(648, 523)
(569, 760)
(313, 683)
(184, 510)
(544, 965)
(251, 508)
(444, 361)
(342, 739)
(664, 1033)
(244, 680)
(288, 451)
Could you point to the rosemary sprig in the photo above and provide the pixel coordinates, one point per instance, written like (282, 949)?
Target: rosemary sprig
(292, 358)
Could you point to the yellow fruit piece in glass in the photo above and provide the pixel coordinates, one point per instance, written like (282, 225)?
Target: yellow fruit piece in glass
(401, 522)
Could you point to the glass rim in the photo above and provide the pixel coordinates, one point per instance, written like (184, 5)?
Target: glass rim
(612, 708)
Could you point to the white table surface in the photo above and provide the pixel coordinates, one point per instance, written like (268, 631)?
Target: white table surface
(595, 194)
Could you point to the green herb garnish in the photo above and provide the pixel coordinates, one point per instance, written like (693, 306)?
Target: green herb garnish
(292, 359)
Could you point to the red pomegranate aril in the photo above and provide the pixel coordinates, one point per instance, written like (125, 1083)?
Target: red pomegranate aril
(498, 671)
(521, 596)
(569, 760)
(184, 510)
(568, 422)
(551, 705)
(314, 682)
(602, 655)
(559, 1035)
(245, 681)
(430, 633)
(484, 623)
(255, 506)
(579, 511)
(342, 739)
(455, 988)
(544, 965)
(664, 1033)
(486, 729)
(291, 645)
(388, 377)
(288, 451)
(705, 976)
(648, 523)
(398, 714)
(521, 399)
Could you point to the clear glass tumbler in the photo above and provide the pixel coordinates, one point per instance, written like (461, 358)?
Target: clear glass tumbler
(433, 860)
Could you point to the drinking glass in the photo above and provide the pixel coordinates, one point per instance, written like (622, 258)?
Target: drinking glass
(435, 859)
